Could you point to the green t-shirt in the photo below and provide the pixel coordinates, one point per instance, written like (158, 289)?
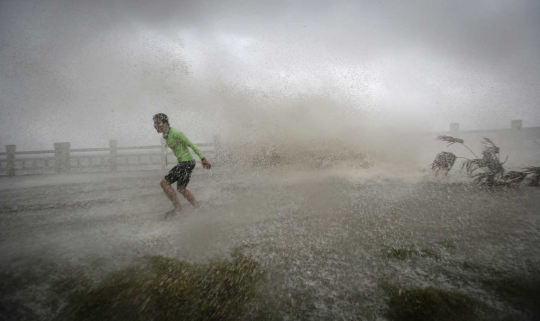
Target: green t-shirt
(179, 144)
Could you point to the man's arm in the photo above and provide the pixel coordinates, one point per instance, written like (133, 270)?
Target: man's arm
(190, 144)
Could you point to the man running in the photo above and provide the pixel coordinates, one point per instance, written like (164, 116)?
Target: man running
(181, 173)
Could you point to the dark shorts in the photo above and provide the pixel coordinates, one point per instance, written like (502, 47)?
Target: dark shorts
(181, 173)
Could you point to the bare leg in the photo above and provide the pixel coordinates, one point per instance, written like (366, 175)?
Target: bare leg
(171, 194)
(188, 195)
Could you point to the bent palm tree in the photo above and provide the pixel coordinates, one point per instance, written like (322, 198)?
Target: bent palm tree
(488, 170)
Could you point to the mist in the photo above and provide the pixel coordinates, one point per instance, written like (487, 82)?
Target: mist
(324, 200)
(89, 72)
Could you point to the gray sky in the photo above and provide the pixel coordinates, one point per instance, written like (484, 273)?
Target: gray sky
(89, 71)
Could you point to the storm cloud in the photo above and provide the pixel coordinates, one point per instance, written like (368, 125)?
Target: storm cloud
(87, 72)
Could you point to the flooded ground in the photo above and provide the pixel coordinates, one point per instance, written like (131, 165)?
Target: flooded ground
(333, 244)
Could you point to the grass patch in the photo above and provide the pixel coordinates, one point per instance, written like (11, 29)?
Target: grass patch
(404, 254)
(522, 293)
(428, 304)
(448, 244)
(155, 288)
(169, 289)
(295, 305)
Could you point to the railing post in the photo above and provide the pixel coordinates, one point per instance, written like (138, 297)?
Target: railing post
(61, 157)
(163, 153)
(113, 153)
(217, 146)
(10, 151)
(454, 127)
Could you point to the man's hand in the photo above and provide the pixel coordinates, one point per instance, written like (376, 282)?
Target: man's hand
(206, 164)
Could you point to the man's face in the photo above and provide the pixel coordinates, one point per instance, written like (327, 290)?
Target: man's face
(159, 125)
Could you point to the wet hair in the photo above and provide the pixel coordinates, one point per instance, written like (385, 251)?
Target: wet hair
(161, 117)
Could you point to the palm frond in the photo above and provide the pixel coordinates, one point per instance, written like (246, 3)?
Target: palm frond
(514, 177)
(443, 162)
(452, 140)
(488, 178)
(449, 139)
(532, 170)
(471, 165)
(487, 170)
(535, 171)
(489, 148)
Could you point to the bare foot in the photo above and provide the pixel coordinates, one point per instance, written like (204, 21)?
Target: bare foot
(173, 212)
